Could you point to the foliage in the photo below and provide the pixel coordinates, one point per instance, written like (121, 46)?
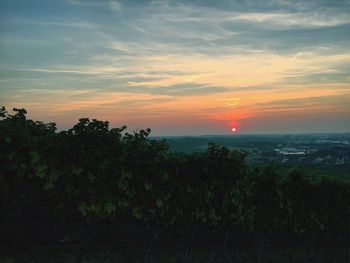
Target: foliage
(92, 174)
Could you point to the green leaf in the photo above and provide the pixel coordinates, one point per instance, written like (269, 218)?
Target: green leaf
(137, 213)
(123, 203)
(41, 170)
(48, 186)
(110, 208)
(83, 208)
(77, 170)
(148, 185)
(159, 203)
(35, 157)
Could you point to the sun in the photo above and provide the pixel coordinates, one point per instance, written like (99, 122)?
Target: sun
(233, 129)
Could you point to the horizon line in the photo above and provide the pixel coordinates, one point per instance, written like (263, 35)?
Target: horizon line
(256, 134)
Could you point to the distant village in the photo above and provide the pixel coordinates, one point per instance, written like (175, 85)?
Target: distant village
(338, 154)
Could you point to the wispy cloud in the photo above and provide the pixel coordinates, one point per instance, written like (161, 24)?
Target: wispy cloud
(215, 61)
(88, 71)
(303, 20)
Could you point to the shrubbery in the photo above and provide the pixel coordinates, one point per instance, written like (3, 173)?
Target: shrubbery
(93, 175)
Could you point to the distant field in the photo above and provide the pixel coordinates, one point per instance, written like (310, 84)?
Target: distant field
(189, 144)
(261, 149)
(200, 143)
(341, 172)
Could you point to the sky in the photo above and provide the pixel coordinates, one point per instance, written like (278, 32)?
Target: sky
(180, 67)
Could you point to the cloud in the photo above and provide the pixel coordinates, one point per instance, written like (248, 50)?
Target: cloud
(116, 6)
(83, 70)
(293, 20)
(305, 104)
(86, 3)
(182, 89)
(177, 58)
(333, 72)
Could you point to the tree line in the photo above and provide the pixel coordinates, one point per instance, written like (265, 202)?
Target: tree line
(95, 176)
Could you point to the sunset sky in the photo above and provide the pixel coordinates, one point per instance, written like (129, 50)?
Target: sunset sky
(179, 67)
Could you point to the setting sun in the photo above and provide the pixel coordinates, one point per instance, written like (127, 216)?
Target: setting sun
(189, 130)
